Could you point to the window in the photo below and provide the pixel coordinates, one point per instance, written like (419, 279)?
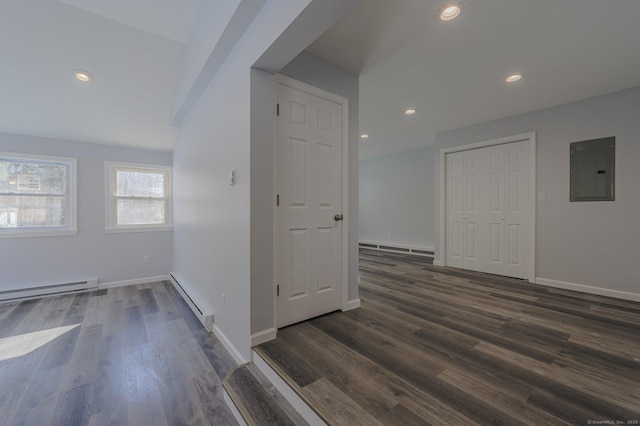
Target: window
(138, 197)
(37, 195)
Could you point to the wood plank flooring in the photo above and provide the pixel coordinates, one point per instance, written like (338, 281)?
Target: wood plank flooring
(125, 356)
(257, 400)
(438, 346)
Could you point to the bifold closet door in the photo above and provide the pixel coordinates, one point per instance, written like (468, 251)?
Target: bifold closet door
(488, 209)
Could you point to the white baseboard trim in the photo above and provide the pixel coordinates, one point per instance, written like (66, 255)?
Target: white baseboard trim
(197, 307)
(137, 281)
(635, 297)
(206, 318)
(397, 248)
(352, 304)
(235, 353)
(233, 408)
(294, 399)
(263, 336)
(437, 263)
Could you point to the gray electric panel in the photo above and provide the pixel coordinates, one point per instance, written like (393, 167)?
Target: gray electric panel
(593, 170)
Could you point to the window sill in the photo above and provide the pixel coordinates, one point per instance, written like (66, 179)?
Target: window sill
(149, 228)
(37, 233)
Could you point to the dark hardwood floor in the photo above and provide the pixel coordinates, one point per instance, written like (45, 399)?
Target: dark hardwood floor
(442, 346)
(125, 356)
(257, 399)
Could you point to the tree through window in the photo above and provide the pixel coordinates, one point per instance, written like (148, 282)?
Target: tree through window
(36, 195)
(138, 197)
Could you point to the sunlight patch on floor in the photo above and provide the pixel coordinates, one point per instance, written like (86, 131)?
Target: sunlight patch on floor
(22, 344)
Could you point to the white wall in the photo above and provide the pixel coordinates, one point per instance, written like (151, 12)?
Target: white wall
(263, 98)
(208, 26)
(213, 229)
(397, 199)
(587, 243)
(92, 253)
(217, 28)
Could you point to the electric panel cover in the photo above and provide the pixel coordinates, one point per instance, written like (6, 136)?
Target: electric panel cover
(593, 170)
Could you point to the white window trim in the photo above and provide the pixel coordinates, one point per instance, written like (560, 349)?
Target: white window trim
(110, 226)
(72, 226)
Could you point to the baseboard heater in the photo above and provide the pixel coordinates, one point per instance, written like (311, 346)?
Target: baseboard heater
(396, 249)
(48, 290)
(205, 318)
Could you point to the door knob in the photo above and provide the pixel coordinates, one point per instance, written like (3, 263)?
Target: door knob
(338, 217)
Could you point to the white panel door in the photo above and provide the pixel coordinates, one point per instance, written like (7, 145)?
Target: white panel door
(517, 210)
(473, 211)
(455, 197)
(309, 250)
(495, 226)
(465, 209)
(488, 214)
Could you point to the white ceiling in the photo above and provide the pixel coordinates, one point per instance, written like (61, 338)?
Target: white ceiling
(171, 19)
(453, 72)
(135, 73)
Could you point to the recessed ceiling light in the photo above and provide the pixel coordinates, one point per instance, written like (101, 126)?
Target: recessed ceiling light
(450, 12)
(364, 136)
(83, 75)
(513, 78)
(410, 111)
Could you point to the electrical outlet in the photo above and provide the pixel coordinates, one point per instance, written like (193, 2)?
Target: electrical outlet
(146, 258)
(541, 196)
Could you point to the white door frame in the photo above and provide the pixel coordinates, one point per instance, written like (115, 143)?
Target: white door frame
(312, 90)
(531, 138)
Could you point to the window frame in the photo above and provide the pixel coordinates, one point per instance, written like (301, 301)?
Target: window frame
(71, 198)
(111, 199)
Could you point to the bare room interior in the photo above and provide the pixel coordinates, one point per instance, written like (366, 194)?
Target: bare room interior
(343, 212)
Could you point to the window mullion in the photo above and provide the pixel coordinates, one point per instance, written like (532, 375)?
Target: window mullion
(23, 194)
(127, 197)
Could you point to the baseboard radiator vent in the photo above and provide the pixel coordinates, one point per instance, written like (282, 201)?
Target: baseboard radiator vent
(48, 290)
(396, 249)
(205, 318)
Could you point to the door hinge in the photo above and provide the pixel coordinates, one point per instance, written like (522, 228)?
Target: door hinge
(278, 110)
(278, 290)
(277, 199)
